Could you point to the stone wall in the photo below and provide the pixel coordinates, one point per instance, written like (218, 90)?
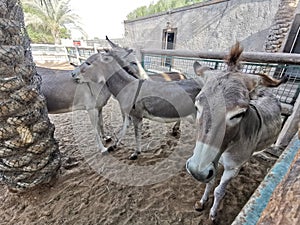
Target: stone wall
(209, 26)
(281, 25)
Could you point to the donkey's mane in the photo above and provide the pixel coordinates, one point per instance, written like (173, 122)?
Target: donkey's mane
(233, 59)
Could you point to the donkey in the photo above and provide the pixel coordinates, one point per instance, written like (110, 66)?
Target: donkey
(120, 53)
(236, 116)
(63, 94)
(138, 99)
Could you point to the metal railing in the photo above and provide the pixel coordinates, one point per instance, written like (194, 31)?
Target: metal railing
(60, 53)
(153, 60)
(276, 65)
(45, 52)
(77, 55)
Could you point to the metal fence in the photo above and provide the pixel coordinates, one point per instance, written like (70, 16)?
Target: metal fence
(276, 66)
(77, 55)
(44, 52)
(60, 53)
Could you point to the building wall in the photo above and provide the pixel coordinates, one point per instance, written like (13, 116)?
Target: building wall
(281, 26)
(208, 26)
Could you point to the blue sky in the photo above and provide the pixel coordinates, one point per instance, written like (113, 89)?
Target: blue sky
(100, 18)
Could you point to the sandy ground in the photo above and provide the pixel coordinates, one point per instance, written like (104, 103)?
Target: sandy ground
(111, 189)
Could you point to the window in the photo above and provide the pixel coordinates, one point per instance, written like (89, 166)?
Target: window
(168, 42)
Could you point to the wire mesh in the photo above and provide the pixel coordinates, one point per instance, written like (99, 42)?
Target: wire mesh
(286, 93)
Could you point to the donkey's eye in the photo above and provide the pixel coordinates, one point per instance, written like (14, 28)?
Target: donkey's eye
(87, 63)
(107, 59)
(237, 116)
(234, 117)
(133, 63)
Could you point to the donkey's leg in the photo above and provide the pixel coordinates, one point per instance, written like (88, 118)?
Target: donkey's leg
(137, 123)
(121, 133)
(93, 114)
(199, 205)
(100, 127)
(124, 129)
(221, 189)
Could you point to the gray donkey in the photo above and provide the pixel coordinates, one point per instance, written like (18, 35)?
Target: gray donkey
(236, 116)
(120, 55)
(159, 101)
(63, 94)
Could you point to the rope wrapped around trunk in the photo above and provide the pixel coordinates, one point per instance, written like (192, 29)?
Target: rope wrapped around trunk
(29, 154)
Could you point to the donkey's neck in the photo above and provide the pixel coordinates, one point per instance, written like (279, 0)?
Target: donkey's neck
(118, 81)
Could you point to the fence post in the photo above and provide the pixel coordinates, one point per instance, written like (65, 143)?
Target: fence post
(67, 54)
(290, 126)
(171, 62)
(216, 65)
(95, 48)
(77, 55)
(142, 59)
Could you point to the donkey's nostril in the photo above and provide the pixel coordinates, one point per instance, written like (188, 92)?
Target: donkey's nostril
(76, 79)
(210, 174)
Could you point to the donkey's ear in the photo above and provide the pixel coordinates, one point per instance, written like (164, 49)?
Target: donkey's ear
(269, 81)
(73, 64)
(252, 81)
(199, 69)
(129, 51)
(113, 45)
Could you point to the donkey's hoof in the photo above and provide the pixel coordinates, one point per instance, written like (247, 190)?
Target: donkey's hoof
(133, 157)
(199, 206)
(213, 218)
(111, 148)
(175, 132)
(107, 139)
(104, 152)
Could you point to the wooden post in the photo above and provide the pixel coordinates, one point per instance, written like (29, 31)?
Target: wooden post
(290, 127)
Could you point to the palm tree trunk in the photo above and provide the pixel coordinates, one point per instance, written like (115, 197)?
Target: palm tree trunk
(29, 154)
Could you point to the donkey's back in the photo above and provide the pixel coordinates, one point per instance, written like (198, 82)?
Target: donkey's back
(64, 95)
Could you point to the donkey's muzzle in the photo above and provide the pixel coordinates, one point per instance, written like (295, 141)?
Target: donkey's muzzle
(73, 74)
(76, 78)
(203, 175)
